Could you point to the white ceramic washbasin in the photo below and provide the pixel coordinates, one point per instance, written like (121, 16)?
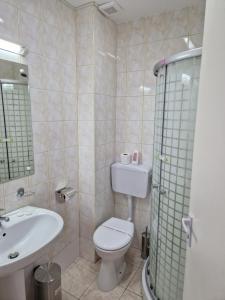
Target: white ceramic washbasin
(28, 231)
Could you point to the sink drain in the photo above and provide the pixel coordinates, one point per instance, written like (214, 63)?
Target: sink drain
(13, 255)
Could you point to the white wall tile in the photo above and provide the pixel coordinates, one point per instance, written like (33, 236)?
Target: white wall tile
(85, 50)
(31, 7)
(86, 107)
(135, 82)
(56, 164)
(135, 58)
(70, 133)
(196, 19)
(56, 135)
(178, 24)
(121, 84)
(9, 29)
(41, 169)
(86, 133)
(148, 108)
(36, 64)
(54, 106)
(136, 32)
(39, 105)
(85, 79)
(50, 41)
(30, 32)
(51, 12)
(69, 104)
(121, 59)
(40, 136)
(68, 77)
(147, 132)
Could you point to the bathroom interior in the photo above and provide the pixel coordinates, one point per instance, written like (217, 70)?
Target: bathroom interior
(112, 118)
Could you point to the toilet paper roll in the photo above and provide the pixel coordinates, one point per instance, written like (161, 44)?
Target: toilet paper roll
(125, 158)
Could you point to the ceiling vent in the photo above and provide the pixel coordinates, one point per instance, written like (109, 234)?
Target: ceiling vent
(109, 8)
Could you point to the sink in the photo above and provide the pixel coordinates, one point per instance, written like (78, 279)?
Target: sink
(28, 231)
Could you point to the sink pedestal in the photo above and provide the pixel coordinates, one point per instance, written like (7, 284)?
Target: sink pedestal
(13, 287)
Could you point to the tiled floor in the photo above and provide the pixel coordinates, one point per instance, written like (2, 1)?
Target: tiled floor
(79, 281)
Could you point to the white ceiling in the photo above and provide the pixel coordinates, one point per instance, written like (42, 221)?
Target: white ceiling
(135, 9)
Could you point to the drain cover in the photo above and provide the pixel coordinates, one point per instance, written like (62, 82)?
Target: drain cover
(13, 255)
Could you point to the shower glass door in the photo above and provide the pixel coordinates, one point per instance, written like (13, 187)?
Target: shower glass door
(4, 171)
(176, 105)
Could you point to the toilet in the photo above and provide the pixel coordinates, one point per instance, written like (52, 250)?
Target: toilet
(113, 238)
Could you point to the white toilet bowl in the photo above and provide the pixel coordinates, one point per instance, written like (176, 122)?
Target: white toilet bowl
(112, 240)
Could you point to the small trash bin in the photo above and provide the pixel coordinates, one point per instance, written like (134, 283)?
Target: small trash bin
(48, 282)
(145, 238)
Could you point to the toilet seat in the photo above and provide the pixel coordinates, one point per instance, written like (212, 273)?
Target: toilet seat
(113, 234)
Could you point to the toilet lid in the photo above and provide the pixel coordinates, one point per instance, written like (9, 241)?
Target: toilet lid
(113, 234)
(120, 225)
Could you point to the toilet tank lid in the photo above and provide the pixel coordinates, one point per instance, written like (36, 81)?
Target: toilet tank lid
(141, 167)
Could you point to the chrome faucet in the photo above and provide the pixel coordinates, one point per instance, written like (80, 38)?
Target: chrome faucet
(5, 219)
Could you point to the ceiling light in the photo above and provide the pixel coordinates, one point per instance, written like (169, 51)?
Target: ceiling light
(1, 21)
(11, 47)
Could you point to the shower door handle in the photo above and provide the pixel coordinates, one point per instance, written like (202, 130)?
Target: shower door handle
(187, 227)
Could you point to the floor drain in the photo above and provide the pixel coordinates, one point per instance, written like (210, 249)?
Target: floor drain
(13, 255)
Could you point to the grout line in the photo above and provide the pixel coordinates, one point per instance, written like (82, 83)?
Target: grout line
(69, 294)
(88, 287)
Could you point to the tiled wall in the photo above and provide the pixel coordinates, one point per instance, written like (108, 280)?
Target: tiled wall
(140, 45)
(96, 69)
(105, 114)
(47, 29)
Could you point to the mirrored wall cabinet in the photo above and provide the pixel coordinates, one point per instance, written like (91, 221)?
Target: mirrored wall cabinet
(16, 141)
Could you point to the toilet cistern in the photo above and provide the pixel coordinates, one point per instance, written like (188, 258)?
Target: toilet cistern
(131, 180)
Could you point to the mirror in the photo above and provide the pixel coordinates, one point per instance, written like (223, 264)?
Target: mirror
(16, 140)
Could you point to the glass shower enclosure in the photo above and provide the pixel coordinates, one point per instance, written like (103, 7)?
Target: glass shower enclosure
(175, 113)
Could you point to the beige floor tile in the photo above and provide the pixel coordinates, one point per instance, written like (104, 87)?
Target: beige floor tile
(93, 293)
(66, 296)
(133, 256)
(135, 284)
(127, 295)
(83, 263)
(76, 280)
(129, 274)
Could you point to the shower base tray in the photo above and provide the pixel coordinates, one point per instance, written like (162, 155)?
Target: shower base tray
(147, 295)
